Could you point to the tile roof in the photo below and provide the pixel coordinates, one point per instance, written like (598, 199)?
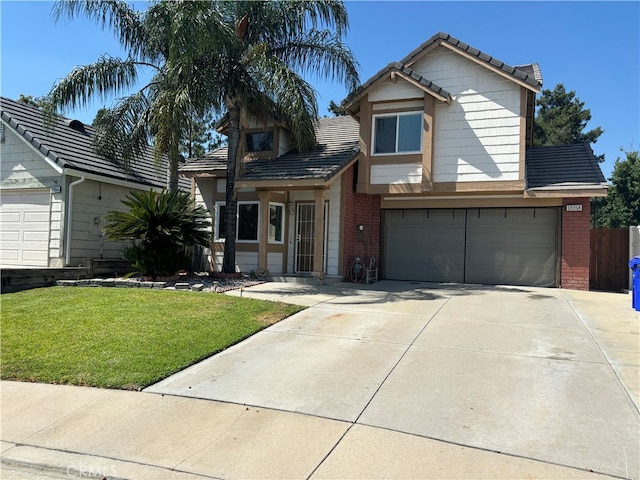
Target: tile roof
(528, 74)
(398, 67)
(68, 143)
(563, 167)
(529, 77)
(337, 145)
(212, 161)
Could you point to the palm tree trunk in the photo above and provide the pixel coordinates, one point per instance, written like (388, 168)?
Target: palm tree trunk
(172, 165)
(229, 259)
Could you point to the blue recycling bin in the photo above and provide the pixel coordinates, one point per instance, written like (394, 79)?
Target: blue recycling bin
(634, 265)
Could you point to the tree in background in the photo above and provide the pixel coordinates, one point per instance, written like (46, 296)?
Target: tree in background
(621, 207)
(561, 119)
(200, 136)
(30, 100)
(337, 110)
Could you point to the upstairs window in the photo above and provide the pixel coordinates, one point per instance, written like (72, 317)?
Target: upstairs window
(397, 133)
(259, 141)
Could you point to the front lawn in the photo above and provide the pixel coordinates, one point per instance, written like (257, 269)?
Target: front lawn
(121, 338)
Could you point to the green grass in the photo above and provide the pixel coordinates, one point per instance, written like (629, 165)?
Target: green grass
(121, 338)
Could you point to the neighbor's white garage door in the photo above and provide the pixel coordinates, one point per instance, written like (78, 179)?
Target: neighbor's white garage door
(24, 228)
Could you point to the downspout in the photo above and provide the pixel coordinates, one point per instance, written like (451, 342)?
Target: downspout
(67, 247)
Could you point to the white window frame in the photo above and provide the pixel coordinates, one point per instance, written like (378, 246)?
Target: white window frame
(217, 222)
(282, 223)
(397, 115)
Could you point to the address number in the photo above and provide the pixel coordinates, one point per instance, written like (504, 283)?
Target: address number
(574, 208)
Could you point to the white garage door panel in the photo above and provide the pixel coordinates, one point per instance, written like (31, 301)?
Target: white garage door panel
(24, 232)
(9, 235)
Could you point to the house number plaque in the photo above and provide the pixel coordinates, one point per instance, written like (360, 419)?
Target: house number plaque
(574, 208)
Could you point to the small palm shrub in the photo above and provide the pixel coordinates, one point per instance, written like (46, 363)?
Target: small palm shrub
(163, 227)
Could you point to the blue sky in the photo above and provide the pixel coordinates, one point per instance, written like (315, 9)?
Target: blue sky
(591, 47)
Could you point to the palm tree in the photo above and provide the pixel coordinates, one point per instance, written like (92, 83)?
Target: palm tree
(258, 71)
(163, 39)
(245, 58)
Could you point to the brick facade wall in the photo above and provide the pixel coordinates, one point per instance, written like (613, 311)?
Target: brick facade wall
(576, 227)
(360, 209)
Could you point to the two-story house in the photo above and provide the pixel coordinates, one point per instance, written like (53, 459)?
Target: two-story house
(433, 174)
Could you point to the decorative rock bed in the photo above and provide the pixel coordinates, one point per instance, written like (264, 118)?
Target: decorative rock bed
(193, 282)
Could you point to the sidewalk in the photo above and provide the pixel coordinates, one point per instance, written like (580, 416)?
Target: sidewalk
(78, 432)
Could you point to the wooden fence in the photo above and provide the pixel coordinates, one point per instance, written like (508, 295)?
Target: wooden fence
(609, 263)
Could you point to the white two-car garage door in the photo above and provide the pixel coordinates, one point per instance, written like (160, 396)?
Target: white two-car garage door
(24, 228)
(515, 246)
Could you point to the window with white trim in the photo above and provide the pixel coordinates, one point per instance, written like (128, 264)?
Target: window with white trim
(397, 133)
(247, 216)
(276, 222)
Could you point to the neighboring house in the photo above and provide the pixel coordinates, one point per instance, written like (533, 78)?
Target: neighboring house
(54, 190)
(433, 174)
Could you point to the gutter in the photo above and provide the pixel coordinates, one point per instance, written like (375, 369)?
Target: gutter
(67, 246)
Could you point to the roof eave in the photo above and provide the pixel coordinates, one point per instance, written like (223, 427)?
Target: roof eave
(395, 68)
(495, 66)
(561, 190)
(298, 182)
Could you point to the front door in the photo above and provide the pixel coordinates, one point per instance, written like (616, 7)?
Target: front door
(305, 232)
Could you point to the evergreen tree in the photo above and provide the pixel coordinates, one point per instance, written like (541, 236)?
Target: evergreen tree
(30, 100)
(337, 110)
(621, 207)
(561, 119)
(200, 136)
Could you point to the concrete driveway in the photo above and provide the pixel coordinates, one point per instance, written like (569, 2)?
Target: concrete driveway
(541, 374)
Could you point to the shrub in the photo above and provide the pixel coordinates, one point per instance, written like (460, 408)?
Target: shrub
(163, 227)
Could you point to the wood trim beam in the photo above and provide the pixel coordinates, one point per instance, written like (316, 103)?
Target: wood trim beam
(427, 144)
(364, 167)
(523, 133)
(318, 234)
(490, 186)
(573, 193)
(431, 202)
(397, 188)
(263, 229)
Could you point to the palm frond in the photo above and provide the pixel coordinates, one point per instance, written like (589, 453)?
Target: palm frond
(292, 98)
(100, 79)
(320, 53)
(122, 133)
(117, 15)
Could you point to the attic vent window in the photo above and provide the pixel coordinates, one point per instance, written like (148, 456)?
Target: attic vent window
(76, 125)
(259, 141)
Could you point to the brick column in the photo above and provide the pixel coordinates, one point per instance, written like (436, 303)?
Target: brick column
(576, 247)
(359, 209)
